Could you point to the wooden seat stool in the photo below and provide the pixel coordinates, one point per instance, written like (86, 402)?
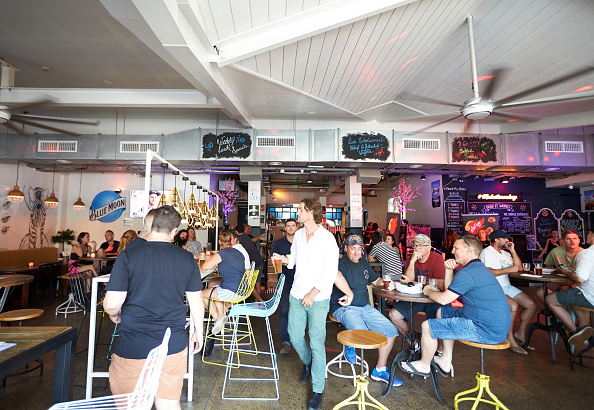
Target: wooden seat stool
(580, 355)
(482, 384)
(362, 339)
(18, 316)
(341, 359)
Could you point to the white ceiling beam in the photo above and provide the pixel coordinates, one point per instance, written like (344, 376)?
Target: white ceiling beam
(582, 179)
(105, 97)
(297, 27)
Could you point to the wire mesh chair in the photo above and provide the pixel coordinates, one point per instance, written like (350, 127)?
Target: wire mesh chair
(144, 393)
(256, 309)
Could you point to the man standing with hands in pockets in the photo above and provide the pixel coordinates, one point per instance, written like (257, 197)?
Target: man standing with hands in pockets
(314, 254)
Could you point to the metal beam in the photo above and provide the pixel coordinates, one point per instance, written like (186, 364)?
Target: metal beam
(297, 27)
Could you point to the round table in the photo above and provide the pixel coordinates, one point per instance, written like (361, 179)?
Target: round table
(8, 281)
(551, 325)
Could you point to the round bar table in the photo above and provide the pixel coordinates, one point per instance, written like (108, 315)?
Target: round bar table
(8, 281)
(551, 325)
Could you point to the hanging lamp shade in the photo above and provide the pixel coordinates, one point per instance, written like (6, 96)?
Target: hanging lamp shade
(162, 201)
(174, 199)
(51, 201)
(15, 196)
(213, 214)
(79, 205)
(191, 204)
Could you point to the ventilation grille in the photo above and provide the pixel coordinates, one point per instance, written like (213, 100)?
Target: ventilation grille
(420, 144)
(57, 146)
(278, 142)
(574, 147)
(138, 147)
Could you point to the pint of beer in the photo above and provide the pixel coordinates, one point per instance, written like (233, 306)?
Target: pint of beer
(277, 261)
(201, 258)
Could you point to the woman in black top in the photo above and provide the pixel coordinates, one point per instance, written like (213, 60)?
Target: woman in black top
(550, 244)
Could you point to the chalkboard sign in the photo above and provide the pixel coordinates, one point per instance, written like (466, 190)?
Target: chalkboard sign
(474, 149)
(226, 145)
(365, 146)
(515, 218)
(571, 220)
(454, 206)
(543, 223)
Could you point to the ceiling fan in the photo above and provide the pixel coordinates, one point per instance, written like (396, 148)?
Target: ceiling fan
(481, 106)
(9, 118)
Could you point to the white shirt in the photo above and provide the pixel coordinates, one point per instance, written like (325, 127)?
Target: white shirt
(585, 270)
(497, 260)
(246, 257)
(315, 262)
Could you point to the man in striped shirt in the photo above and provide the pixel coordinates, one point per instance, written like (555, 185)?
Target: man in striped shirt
(384, 253)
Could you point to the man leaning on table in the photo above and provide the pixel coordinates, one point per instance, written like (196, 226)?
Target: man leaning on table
(583, 296)
(501, 259)
(354, 274)
(484, 318)
(147, 283)
(314, 254)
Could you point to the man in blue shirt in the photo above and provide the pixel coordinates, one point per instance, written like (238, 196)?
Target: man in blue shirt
(283, 247)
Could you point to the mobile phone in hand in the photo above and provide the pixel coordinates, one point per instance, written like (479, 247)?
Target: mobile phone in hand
(563, 267)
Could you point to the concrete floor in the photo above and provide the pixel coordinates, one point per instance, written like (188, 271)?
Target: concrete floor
(520, 382)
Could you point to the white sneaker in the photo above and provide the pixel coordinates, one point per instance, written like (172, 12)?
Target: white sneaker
(219, 324)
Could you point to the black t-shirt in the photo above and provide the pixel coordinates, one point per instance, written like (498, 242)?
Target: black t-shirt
(251, 249)
(110, 249)
(155, 276)
(357, 275)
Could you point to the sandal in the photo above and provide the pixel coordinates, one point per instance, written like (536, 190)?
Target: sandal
(518, 350)
(523, 345)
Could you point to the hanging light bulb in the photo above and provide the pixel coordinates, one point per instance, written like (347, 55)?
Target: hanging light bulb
(51, 201)
(15, 196)
(79, 205)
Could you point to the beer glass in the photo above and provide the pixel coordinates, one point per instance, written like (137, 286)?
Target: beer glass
(277, 262)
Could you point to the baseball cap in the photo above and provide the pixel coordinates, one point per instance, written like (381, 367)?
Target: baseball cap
(354, 240)
(498, 233)
(422, 238)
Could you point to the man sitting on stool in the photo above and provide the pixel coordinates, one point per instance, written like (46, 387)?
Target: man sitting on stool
(354, 273)
(484, 318)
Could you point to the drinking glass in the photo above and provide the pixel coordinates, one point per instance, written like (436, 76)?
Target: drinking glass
(422, 279)
(538, 268)
(433, 283)
(387, 279)
(277, 261)
(201, 258)
(526, 266)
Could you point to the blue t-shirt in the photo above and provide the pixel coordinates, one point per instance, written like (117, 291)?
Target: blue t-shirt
(357, 275)
(231, 268)
(484, 301)
(155, 276)
(283, 247)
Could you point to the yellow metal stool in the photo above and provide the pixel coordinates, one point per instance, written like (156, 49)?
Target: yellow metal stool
(482, 380)
(363, 339)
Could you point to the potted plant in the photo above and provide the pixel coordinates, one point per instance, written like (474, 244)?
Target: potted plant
(63, 237)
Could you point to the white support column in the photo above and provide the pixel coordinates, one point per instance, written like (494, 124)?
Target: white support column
(354, 220)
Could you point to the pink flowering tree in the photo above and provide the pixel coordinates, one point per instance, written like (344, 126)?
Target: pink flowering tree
(402, 195)
(227, 198)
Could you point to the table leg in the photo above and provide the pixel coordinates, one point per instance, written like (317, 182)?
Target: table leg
(25, 296)
(64, 370)
(91, 348)
(5, 292)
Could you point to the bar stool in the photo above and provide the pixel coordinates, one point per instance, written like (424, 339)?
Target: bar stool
(363, 339)
(580, 354)
(341, 359)
(18, 316)
(481, 379)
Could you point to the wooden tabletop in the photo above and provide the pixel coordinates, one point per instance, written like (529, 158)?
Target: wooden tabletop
(395, 295)
(27, 338)
(362, 339)
(25, 268)
(97, 258)
(553, 277)
(14, 280)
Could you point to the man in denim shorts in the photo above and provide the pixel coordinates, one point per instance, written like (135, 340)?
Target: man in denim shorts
(484, 318)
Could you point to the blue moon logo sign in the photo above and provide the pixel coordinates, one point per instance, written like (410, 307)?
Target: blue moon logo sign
(107, 206)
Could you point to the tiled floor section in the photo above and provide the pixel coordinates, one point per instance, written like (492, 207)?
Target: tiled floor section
(520, 382)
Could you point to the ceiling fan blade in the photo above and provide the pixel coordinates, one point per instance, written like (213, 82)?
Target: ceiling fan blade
(514, 117)
(434, 125)
(55, 119)
(16, 129)
(47, 127)
(545, 101)
(32, 104)
(574, 74)
(494, 83)
(413, 97)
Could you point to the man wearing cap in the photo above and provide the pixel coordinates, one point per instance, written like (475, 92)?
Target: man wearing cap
(354, 274)
(423, 261)
(501, 259)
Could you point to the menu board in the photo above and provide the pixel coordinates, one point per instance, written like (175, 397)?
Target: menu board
(571, 220)
(515, 218)
(474, 149)
(226, 145)
(544, 222)
(365, 145)
(454, 206)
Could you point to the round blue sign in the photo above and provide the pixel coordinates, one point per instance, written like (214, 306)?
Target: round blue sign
(107, 206)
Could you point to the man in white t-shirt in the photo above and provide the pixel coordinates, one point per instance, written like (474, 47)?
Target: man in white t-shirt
(501, 259)
(583, 296)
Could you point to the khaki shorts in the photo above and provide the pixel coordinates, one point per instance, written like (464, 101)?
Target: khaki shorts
(124, 373)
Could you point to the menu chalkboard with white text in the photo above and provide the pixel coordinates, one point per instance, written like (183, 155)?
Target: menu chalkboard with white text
(365, 145)
(454, 206)
(226, 145)
(515, 218)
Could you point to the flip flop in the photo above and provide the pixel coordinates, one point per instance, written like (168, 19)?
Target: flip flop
(518, 350)
(414, 371)
(523, 345)
(439, 369)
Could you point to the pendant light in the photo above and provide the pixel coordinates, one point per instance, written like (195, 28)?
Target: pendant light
(192, 201)
(162, 200)
(79, 205)
(15, 196)
(174, 199)
(183, 207)
(51, 201)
